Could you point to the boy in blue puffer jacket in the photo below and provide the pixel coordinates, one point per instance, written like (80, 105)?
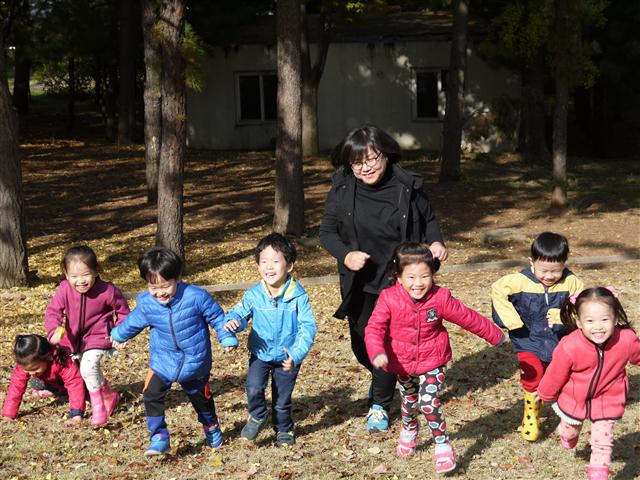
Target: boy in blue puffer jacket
(178, 316)
(282, 332)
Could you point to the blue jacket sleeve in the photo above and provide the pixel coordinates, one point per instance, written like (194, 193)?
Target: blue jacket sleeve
(214, 316)
(132, 325)
(306, 331)
(242, 312)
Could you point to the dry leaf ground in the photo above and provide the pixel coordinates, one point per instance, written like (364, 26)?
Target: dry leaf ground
(81, 190)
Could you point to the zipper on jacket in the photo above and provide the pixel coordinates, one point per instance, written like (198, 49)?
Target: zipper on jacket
(593, 385)
(83, 314)
(175, 341)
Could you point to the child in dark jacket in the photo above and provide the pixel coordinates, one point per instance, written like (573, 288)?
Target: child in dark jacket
(79, 317)
(282, 331)
(178, 316)
(528, 305)
(406, 336)
(587, 378)
(36, 358)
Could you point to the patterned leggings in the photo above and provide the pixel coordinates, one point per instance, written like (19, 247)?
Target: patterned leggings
(601, 439)
(420, 392)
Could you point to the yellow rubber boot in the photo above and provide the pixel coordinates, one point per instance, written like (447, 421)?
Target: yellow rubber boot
(530, 421)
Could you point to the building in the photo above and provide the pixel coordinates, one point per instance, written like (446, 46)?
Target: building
(388, 71)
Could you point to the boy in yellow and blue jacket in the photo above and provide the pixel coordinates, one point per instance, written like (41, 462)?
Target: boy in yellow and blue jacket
(528, 304)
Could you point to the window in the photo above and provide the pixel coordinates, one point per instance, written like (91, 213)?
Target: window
(430, 87)
(256, 96)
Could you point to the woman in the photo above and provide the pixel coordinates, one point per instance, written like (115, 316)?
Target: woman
(373, 205)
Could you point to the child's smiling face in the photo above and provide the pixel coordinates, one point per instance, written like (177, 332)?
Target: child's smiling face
(597, 321)
(80, 276)
(549, 273)
(161, 289)
(273, 269)
(417, 279)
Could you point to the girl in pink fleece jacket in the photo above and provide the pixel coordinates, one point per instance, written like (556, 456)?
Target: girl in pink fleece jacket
(406, 336)
(587, 377)
(79, 319)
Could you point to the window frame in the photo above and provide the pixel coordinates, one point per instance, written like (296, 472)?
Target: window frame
(441, 93)
(238, 105)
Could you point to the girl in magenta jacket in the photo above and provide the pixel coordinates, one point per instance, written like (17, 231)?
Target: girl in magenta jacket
(79, 319)
(587, 378)
(405, 336)
(36, 358)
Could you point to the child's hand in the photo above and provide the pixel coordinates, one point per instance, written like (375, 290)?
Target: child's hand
(381, 360)
(549, 319)
(288, 364)
(58, 333)
(73, 421)
(232, 325)
(117, 345)
(229, 349)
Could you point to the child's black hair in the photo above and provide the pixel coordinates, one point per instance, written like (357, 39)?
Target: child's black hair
(354, 147)
(570, 311)
(83, 254)
(160, 262)
(550, 247)
(408, 253)
(31, 348)
(279, 243)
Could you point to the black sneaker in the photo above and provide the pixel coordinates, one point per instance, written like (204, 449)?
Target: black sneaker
(251, 428)
(285, 439)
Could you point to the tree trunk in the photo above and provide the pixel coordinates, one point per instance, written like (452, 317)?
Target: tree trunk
(561, 109)
(289, 196)
(13, 244)
(126, 90)
(172, 150)
(152, 98)
(450, 169)
(311, 76)
(71, 101)
(531, 136)
(21, 90)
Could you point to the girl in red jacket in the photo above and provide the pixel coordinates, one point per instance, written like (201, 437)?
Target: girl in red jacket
(38, 359)
(406, 336)
(79, 319)
(587, 377)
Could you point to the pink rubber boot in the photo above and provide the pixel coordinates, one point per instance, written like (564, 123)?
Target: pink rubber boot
(110, 398)
(98, 412)
(597, 472)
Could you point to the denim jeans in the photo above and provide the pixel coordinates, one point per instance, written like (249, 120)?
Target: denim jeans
(282, 384)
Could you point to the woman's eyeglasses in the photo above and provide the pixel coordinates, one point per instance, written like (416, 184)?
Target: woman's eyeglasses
(368, 161)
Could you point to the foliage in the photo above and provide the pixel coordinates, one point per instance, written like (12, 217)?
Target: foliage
(194, 54)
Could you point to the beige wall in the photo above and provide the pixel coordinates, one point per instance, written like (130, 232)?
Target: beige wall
(362, 83)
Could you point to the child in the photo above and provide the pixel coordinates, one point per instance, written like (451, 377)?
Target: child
(405, 336)
(283, 330)
(178, 316)
(79, 319)
(587, 376)
(528, 305)
(37, 358)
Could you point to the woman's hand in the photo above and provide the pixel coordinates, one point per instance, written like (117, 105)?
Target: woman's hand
(439, 251)
(355, 260)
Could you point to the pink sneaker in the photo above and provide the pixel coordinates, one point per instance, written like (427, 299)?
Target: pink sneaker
(110, 397)
(407, 442)
(568, 442)
(445, 458)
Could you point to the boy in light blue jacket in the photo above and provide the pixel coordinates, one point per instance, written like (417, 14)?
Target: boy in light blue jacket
(282, 332)
(178, 316)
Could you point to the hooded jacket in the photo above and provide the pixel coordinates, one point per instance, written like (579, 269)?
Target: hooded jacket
(520, 303)
(412, 334)
(89, 316)
(179, 340)
(337, 230)
(588, 380)
(283, 321)
(62, 374)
